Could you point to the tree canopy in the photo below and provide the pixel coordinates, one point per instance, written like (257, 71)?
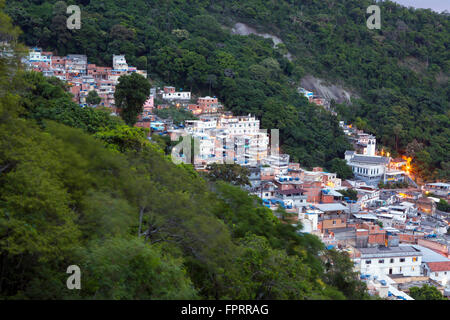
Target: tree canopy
(426, 292)
(130, 94)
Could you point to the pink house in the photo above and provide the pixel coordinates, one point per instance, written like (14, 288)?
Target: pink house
(149, 104)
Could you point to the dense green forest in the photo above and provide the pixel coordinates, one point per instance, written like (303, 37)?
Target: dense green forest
(400, 72)
(80, 187)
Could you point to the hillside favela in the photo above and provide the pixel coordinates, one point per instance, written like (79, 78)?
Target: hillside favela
(224, 150)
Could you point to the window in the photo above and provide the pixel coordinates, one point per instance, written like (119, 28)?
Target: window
(436, 274)
(368, 261)
(334, 222)
(402, 259)
(392, 261)
(381, 261)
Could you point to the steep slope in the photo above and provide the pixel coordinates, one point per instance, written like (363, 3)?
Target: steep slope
(78, 187)
(406, 109)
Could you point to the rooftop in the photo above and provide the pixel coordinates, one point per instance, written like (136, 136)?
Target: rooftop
(291, 191)
(429, 255)
(389, 251)
(439, 266)
(367, 216)
(370, 159)
(325, 207)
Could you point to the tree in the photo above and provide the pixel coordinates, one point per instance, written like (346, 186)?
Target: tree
(443, 205)
(131, 269)
(425, 292)
(232, 173)
(92, 98)
(178, 115)
(49, 100)
(360, 123)
(124, 138)
(141, 63)
(339, 273)
(211, 79)
(268, 272)
(131, 93)
(398, 130)
(341, 168)
(350, 193)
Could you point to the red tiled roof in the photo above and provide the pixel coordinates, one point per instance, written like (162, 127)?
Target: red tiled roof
(439, 266)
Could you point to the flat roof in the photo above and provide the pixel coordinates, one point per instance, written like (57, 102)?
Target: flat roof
(331, 207)
(365, 216)
(389, 252)
(370, 159)
(385, 215)
(291, 191)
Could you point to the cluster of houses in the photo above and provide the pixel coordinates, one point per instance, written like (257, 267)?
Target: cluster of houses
(224, 138)
(80, 75)
(397, 239)
(202, 106)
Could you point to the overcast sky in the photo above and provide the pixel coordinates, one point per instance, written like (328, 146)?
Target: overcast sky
(436, 5)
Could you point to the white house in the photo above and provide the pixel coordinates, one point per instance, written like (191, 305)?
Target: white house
(404, 260)
(309, 220)
(370, 169)
(367, 195)
(37, 55)
(119, 63)
(435, 265)
(399, 213)
(182, 95)
(295, 197)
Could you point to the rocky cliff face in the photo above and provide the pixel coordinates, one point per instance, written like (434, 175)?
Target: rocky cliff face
(326, 90)
(245, 30)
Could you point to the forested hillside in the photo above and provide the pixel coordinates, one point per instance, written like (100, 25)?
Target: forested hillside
(79, 187)
(401, 72)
